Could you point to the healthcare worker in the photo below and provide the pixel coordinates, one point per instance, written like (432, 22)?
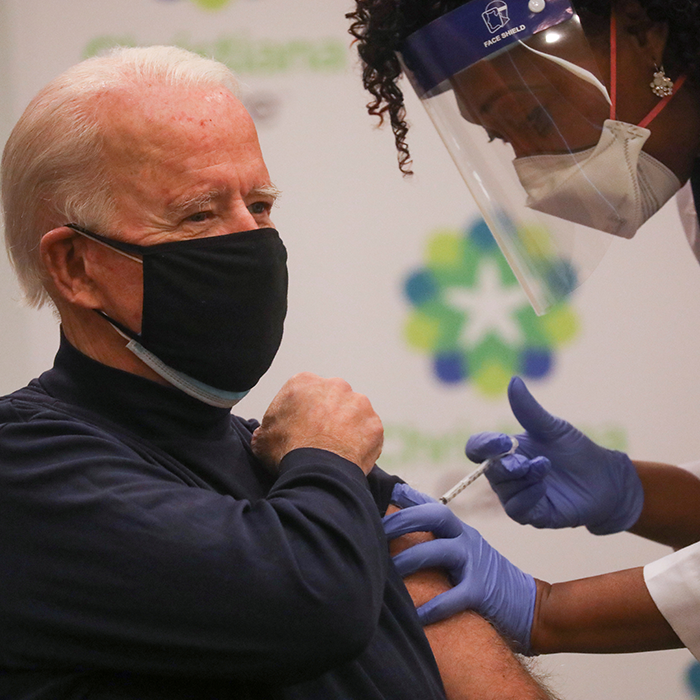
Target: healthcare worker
(569, 123)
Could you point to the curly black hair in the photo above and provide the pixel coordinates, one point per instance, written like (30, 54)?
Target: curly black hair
(380, 27)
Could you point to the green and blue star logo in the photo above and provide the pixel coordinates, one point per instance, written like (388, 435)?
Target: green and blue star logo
(692, 679)
(211, 4)
(471, 316)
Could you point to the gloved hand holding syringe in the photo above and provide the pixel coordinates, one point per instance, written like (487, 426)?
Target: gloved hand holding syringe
(473, 476)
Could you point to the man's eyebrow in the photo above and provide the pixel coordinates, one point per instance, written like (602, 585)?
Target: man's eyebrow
(201, 201)
(196, 202)
(268, 190)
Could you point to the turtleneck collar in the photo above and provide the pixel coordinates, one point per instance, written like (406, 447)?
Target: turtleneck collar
(143, 406)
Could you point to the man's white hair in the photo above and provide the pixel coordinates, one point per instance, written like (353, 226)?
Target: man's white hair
(53, 167)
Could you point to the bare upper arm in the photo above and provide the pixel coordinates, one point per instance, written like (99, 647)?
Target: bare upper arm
(475, 662)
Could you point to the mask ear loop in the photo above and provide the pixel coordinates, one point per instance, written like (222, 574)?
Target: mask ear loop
(613, 80)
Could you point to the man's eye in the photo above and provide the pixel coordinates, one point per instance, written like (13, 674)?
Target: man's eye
(199, 217)
(260, 207)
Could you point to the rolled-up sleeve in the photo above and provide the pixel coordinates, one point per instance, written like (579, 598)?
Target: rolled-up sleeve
(674, 584)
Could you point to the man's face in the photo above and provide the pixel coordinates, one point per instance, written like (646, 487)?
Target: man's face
(184, 165)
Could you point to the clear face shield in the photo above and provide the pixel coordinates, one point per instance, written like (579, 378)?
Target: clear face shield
(515, 94)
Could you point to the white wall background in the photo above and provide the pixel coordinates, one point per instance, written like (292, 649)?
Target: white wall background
(354, 229)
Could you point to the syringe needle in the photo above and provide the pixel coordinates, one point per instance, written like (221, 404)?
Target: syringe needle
(473, 476)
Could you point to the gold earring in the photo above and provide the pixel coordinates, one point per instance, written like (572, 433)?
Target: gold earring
(661, 85)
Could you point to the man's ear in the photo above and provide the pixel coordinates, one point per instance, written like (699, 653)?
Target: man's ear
(648, 36)
(63, 252)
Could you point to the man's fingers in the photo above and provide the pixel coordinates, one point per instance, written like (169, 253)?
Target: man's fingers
(311, 411)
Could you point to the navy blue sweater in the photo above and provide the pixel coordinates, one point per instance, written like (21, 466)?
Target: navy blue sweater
(147, 555)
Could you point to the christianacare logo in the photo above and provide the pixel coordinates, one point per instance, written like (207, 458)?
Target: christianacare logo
(471, 317)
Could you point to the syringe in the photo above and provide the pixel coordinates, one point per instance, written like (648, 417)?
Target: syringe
(471, 478)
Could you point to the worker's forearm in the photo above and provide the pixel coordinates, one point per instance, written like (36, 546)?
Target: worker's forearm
(474, 661)
(671, 512)
(612, 613)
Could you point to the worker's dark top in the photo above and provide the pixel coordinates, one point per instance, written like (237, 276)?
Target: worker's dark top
(145, 554)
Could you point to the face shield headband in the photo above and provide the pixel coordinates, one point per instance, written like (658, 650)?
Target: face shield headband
(472, 32)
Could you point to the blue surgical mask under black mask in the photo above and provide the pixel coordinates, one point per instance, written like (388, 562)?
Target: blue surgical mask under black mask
(213, 310)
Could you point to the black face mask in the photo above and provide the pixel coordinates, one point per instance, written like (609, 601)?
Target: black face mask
(213, 309)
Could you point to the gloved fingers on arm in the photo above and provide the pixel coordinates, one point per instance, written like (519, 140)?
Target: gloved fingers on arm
(487, 445)
(446, 605)
(428, 555)
(428, 517)
(404, 496)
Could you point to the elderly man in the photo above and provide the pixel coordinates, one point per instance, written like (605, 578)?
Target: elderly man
(152, 544)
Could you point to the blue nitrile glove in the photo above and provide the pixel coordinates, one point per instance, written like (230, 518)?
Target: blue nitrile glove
(483, 579)
(558, 477)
